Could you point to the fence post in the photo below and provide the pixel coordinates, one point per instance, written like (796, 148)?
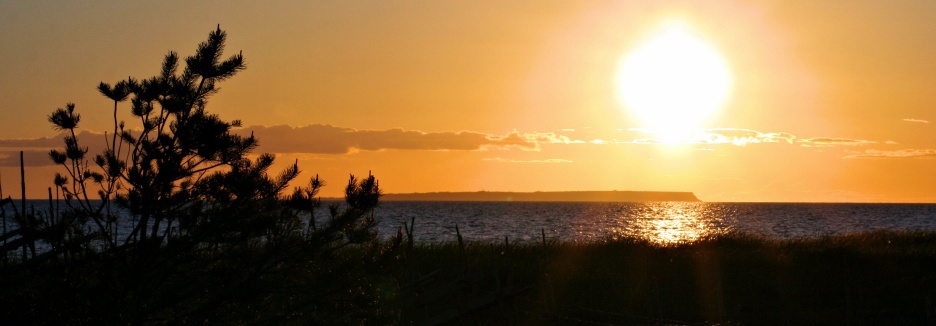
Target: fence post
(23, 183)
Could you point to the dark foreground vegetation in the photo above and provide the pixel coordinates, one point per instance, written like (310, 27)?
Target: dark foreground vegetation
(863, 279)
(217, 239)
(216, 236)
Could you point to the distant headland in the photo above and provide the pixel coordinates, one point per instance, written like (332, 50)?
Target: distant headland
(541, 196)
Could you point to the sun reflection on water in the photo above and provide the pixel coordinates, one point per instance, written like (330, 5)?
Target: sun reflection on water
(672, 223)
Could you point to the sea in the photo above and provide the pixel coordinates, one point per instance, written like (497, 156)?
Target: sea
(661, 222)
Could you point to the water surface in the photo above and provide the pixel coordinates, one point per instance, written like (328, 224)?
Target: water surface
(663, 222)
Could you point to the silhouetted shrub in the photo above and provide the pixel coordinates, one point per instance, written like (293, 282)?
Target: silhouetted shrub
(216, 238)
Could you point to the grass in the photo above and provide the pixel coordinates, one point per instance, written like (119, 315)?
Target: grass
(881, 277)
(869, 278)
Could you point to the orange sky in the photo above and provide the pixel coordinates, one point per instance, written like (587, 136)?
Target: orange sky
(830, 100)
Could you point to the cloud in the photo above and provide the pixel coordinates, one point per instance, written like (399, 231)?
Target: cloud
(551, 160)
(915, 120)
(85, 138)
(31, 158)
(734, 136)
(550, 138)
(311, 139)
(36, 150)
(903, 153)
(327, 139)
(645, 141)
(44, 142)
(830, 141)
(742, 137)
(320, 139)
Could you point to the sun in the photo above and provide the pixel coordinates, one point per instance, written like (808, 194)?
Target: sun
(673, 82)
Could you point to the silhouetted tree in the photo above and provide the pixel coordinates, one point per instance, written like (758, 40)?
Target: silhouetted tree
(178, 143)
(217, 237)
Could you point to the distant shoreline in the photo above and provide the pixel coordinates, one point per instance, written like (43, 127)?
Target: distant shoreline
(546, 196)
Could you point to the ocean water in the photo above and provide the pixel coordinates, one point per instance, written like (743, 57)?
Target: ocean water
(663, 222)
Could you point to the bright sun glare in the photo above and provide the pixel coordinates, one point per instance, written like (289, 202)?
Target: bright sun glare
(673, 82)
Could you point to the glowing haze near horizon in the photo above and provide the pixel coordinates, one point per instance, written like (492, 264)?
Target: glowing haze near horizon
(732, 100)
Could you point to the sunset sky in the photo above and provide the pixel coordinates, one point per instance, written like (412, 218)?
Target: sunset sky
(733, 100)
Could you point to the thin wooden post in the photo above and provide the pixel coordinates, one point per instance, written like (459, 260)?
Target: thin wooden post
(543, 233)
(461, 243)
(32, 221)
(409, 231)
(23, 199)
(51, 208)
(23, 183)
(3, 212)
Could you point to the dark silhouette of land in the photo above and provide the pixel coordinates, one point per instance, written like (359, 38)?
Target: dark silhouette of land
(541, 196)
